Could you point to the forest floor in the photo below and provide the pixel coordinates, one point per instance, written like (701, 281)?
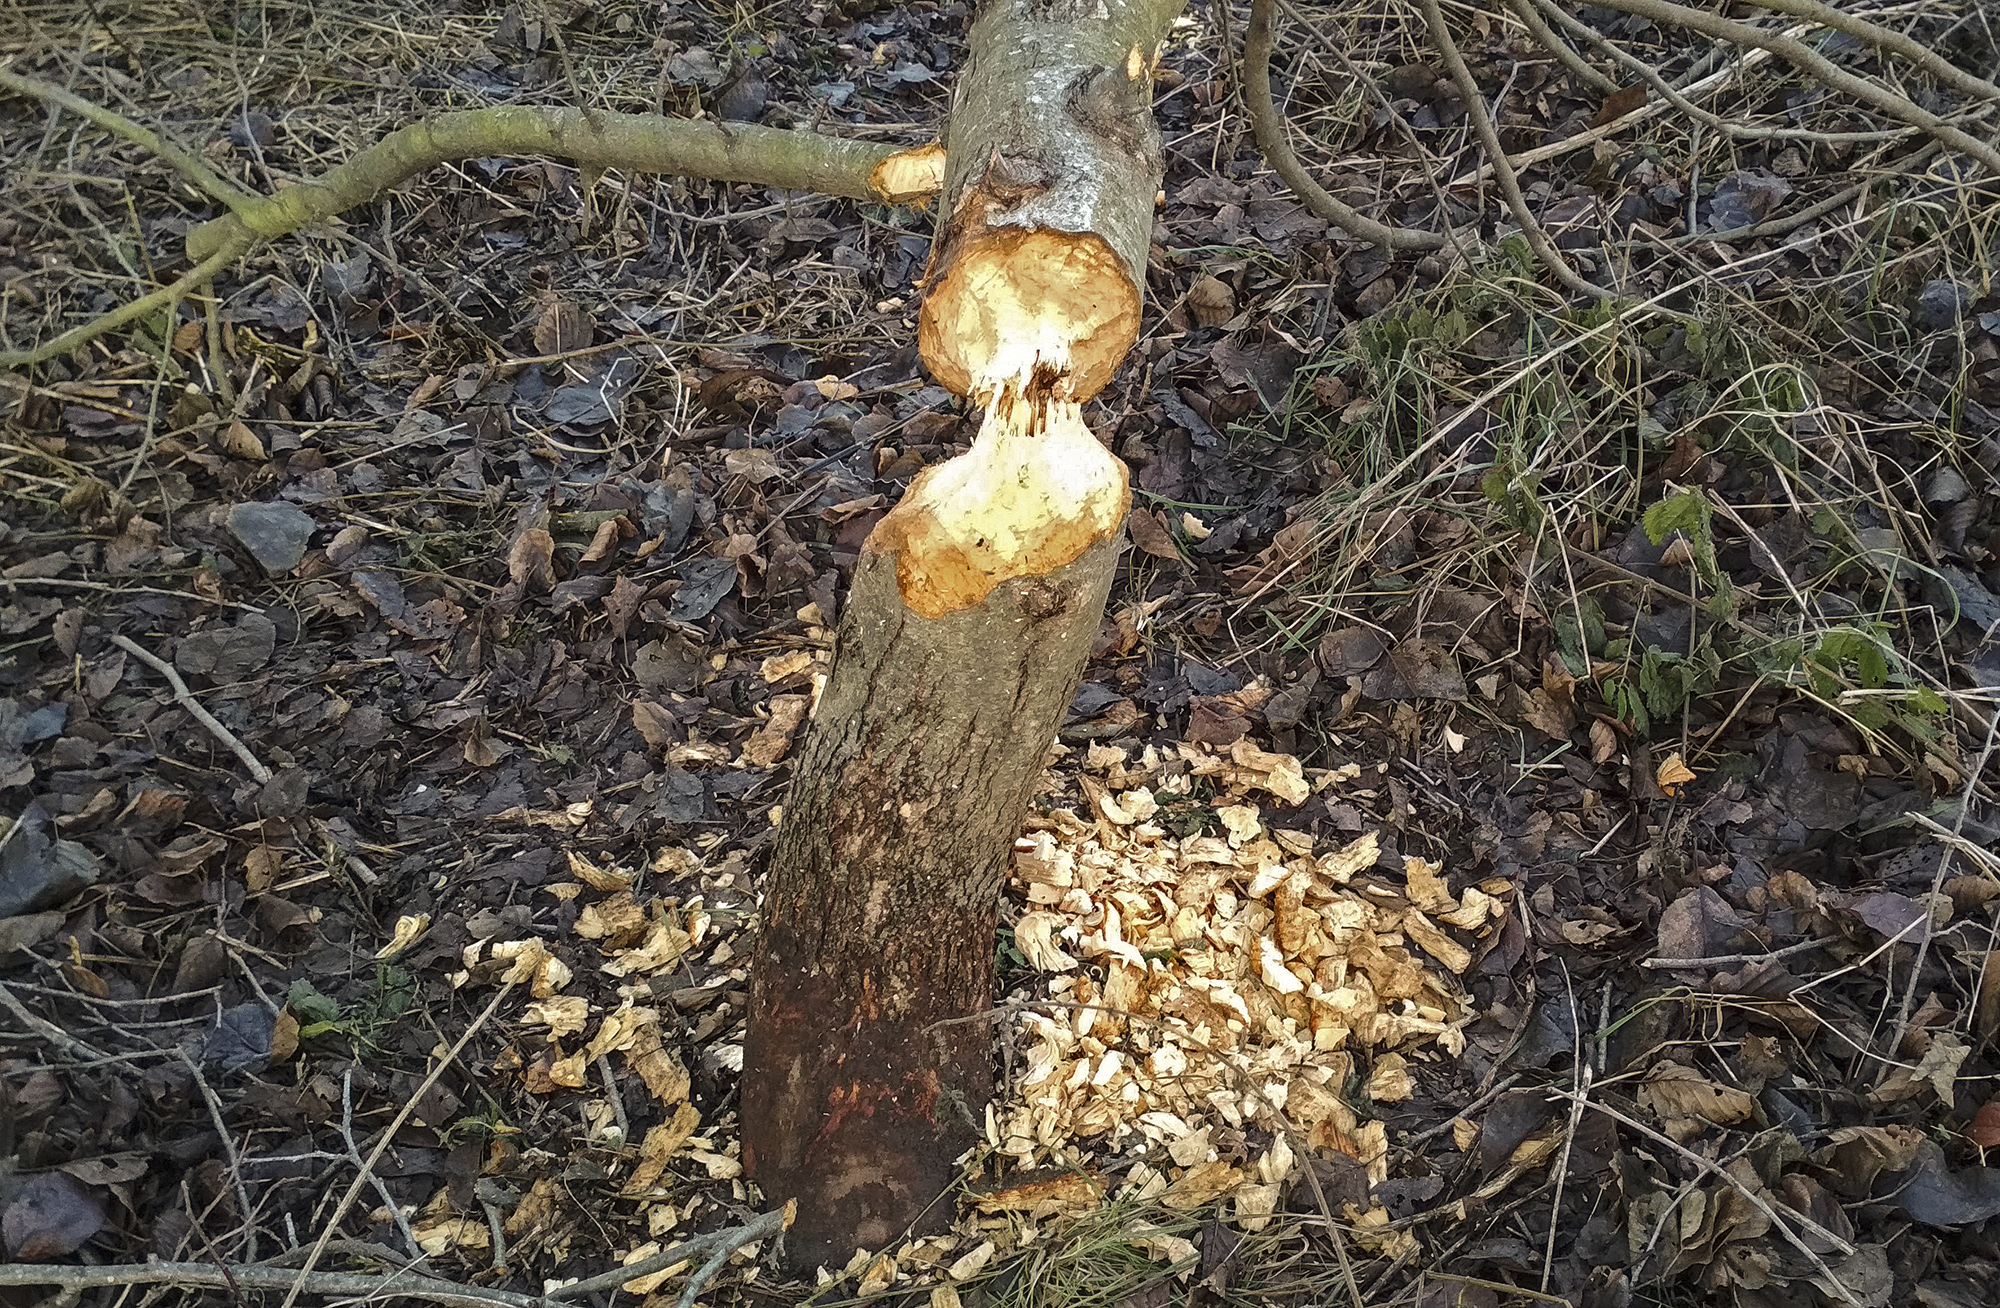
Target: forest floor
(1524, 835)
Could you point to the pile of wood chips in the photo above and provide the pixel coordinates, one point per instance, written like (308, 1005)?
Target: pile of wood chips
(1205, 985)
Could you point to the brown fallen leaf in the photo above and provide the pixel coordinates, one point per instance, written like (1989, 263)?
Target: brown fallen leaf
(1688, 1103)
(1619, 103)
(1150, 534)
(1672, 774)
(658, 1148)
(773, 740)
(531, 559)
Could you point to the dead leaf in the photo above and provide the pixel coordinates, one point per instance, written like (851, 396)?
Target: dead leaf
(1150, 534)
(1688, 1103)
(261, 867)
(1211, 302)
(1619, 103)
(658, 1148)
(1936, 1071)
(655, 724)
(1985, 1128)
(773, 740)
(1415, 669)
(531, 560)
(238, 441)
(50, 1217)
(563, 328)
(1603, 741)
(1672, 774)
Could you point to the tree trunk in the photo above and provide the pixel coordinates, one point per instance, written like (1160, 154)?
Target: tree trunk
(973, 608)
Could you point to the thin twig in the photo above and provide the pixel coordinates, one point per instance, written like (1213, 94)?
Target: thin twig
(187, 165)
(214, 1104)
(1585, 1073)
(1498, 1088)
(725, 1241)
(1909, 1002)
(1803, 56)
(1886, 38)
(416, 1251)
(192, 705)
(1586, 72)
(298, 1284)
(1729, 960)
(47, 1030)
(1269, 130)
(1714, 122)
(1496, 154)
(1810, 1226)
(67, 583)
(356, 1285)
(617, 1100)
(202, 273)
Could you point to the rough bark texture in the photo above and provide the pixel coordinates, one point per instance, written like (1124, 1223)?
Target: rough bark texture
(866, 1069)
(880, 919)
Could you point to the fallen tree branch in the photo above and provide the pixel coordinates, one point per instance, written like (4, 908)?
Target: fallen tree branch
(186, 699)
(361, 1285)
(404, 1283)
(1503, 172)
(1269, 131)
(720, 1245)
(650, 143)
(594, 139)
(1887, 38)
(1806, 58)
(151, 302)
(300, 1278)
(1565, 54)
(1714, 122)
(1706, 83)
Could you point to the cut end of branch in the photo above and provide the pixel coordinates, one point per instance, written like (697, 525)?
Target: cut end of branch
(1033, 493)
(1015, 300)
(909, 176)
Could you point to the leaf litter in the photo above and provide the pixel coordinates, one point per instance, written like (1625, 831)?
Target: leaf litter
(523, 676)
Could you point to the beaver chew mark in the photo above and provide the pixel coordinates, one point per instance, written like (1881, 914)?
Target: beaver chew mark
(1035, 491)
(1010, 297)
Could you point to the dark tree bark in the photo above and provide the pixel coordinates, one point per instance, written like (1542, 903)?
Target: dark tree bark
(880, 918)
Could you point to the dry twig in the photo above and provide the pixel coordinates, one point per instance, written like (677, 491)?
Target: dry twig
(1269, 130)
(188, 165)
(1803, 56)
(214, 1105)
(340, 1210)
(187, 701)
(1503, 172)
(1779, 1224)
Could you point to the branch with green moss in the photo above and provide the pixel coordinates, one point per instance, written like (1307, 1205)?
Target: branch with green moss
(595, 140)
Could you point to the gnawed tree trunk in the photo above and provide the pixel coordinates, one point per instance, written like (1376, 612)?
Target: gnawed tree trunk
(971, 615)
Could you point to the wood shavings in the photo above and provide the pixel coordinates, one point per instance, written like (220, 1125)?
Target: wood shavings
(1249, 962)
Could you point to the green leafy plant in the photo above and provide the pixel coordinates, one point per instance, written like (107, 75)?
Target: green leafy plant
(390, 994)
(1661, 685)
